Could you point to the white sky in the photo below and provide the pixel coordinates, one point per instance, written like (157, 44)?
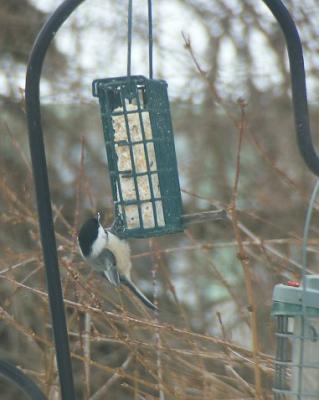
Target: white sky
(170, 19)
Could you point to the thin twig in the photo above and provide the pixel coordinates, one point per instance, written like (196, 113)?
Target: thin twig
(18, 147)
(20, 264)
(244, 258)
(212, 89)
(230, 367)
(102, 391)
(87, 352)
(157, 333)
(79, 190)
(139, 322)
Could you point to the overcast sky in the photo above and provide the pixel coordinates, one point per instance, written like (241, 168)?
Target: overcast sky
(170, 19)
(101, 55)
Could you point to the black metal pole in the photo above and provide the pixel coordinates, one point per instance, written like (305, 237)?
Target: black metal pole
(40, 175)
(21, 380)
(298, 82)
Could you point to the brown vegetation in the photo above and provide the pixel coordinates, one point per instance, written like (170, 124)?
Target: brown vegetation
(213, 337)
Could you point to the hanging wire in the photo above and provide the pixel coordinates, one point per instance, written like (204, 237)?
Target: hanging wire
(304, 264)
(129, 37)
(307, 226)
(150, 38)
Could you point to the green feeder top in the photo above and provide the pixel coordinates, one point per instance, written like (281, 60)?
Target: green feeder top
(288, 298)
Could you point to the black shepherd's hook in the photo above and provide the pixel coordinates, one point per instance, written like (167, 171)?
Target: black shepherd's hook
(40, 175)
(20, 379)
(298, 82)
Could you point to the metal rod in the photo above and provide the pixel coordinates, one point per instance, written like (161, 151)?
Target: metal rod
(129, 37)
(304, 317)
(40, 175)
(21, 380)
(204, 216)
(298, 82)
(150, 39)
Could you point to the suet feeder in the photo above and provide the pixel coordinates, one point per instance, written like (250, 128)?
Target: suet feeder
(140, 149)
(141, 155)
(296, 311)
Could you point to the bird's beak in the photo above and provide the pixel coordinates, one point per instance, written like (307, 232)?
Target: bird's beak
(98, 217)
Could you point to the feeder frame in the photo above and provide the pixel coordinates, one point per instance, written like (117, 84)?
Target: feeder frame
(147, 199)
(152, 100)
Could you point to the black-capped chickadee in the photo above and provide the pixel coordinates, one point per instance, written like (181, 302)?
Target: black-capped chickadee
(108, 254)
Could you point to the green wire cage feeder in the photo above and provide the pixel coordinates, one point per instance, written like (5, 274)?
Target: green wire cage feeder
(296, 311)
(140, 149)
(141, 155)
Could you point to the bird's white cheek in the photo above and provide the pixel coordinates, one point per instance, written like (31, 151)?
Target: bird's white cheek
(99, 243)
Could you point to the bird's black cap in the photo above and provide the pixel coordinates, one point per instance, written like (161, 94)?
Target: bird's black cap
(88, 234)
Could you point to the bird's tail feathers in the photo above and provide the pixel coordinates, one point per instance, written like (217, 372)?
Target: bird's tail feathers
(138, 293)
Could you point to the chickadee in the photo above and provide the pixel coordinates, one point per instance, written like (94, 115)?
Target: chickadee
(108, 254)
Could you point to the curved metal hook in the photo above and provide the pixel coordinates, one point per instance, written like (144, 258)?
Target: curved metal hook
(20, 379)
(40, 175)
(298, 82)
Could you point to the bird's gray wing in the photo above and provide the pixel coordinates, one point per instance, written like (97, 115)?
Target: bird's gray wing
(106, 263)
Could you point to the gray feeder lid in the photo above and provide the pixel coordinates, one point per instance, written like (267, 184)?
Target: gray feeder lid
(288, 298)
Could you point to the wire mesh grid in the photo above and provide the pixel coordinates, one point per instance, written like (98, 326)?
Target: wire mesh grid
(141, 155)
(296, 377)
(296, 309)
